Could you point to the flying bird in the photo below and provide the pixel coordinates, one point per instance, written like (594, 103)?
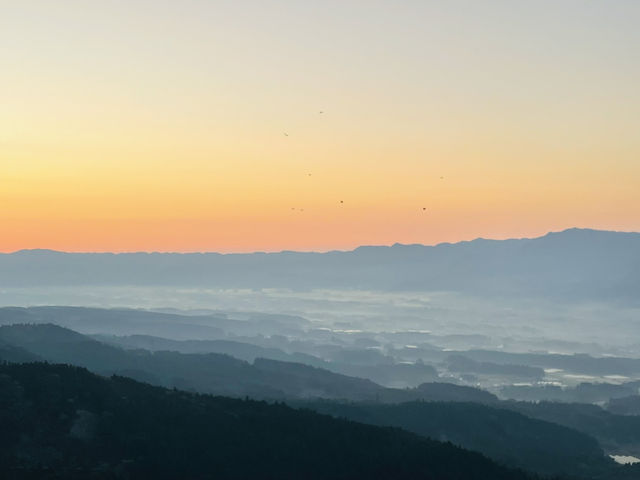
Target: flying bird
(286, 134)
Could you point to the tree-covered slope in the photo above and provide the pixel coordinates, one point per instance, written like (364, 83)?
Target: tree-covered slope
(619, 434)
(505, 436)
(65, 422)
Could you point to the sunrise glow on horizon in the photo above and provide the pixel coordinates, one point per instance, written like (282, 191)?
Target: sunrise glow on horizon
(268, 125)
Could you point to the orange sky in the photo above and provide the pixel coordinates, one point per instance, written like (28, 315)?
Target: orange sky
(133, 126)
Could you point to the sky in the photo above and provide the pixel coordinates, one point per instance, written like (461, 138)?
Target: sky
(196, 125)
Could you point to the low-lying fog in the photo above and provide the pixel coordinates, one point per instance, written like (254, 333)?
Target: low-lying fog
(409, 323)
(475, 322)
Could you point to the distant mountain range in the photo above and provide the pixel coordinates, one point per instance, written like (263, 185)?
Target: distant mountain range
(574, 264)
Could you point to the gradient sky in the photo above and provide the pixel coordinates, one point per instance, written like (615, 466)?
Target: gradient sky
(160, 125)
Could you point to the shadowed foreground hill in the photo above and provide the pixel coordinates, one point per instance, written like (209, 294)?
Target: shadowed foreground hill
(64, 422)
(505, 436)
(616, 433)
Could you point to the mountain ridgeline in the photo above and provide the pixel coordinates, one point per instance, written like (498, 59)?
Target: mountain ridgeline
(572, 264)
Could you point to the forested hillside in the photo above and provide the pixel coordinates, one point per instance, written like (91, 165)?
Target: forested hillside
(65, 422)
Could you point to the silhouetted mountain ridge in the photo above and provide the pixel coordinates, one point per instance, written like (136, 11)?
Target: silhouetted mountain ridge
(64, 422)
(572, 264)
(506, 436)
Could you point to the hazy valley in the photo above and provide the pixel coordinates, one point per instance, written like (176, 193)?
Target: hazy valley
(526, 376)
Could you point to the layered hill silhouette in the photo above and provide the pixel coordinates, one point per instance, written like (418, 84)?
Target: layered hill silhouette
(213, 373)
(168, 325)
(65, 422)
(506, 436)
(572, 264)
(486, 425)
(210, 373)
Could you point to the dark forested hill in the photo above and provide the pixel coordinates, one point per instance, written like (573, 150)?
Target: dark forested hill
(11, 353)
(64, 422)
(503, 435)
(629, 405)
(616, 433)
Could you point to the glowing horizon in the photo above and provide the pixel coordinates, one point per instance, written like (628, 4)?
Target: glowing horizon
(134, 126)
(318, 250)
